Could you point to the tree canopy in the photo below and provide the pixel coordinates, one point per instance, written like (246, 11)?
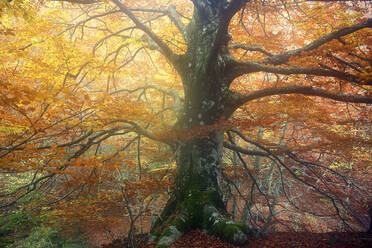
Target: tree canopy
(258, 110)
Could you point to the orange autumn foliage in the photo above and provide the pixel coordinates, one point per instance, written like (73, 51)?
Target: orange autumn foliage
(88, 106)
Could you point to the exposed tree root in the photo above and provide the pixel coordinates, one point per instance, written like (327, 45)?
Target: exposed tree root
(201, 215)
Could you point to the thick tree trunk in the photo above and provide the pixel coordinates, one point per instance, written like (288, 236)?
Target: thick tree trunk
(197, 200)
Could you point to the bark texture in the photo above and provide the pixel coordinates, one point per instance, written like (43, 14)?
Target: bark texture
(197, 201)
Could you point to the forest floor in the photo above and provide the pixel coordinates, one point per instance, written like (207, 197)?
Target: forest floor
(198, 239)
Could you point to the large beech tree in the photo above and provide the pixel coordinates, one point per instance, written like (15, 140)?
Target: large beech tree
(231, 56)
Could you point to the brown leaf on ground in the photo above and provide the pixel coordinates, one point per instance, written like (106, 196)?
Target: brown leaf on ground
(198, 239)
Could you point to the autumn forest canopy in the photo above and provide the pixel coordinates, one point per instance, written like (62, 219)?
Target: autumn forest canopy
(237, 117)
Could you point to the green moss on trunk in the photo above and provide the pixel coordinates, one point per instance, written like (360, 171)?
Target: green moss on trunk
(197, 200)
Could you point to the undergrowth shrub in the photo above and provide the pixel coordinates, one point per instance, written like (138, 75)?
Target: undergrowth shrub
(47, 237)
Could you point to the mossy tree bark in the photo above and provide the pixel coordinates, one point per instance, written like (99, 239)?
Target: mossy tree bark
(197, 200)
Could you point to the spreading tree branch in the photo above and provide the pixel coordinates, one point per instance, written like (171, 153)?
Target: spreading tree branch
(79, 1)
(251, 48)
(173, 15)
(236, 99)
(241, 68)
(244, 151)
(177, 100)
(284, 57)
(166, 51)
(333, 198)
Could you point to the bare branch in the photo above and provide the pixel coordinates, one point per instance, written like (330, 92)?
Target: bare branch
(346, 63)
(80, 1)
(334, 199)
(117, 33)
(244, 151)
(33, 186)
(251, 48)
(166, 51)
(173, 15)
(361, 57)
(284, 57)
(237, 99)
(241, 68)
(142, 131)
(177, 104)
